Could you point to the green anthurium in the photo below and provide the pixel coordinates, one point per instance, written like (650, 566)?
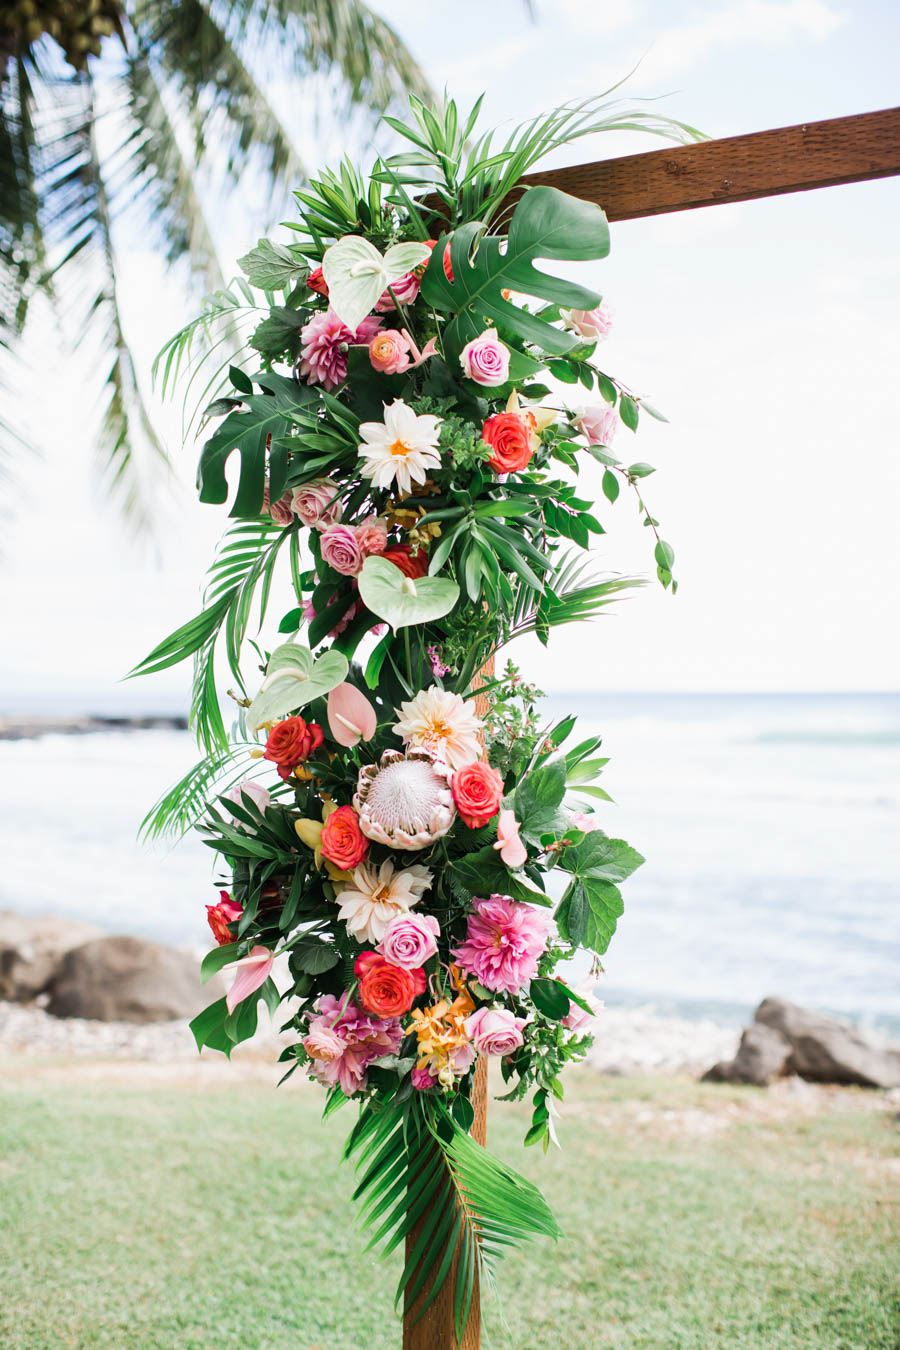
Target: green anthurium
(294, 679)
(400, 600)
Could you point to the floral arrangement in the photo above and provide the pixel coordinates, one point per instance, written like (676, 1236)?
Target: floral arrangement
(389, 810)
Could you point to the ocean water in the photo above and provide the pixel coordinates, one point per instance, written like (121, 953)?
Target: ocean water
(770, 825)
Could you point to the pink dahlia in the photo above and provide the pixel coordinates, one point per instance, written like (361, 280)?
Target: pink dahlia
(504, 941)
(323, 350)
(342, 1042)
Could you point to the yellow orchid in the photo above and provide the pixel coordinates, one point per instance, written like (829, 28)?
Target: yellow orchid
(543, 417)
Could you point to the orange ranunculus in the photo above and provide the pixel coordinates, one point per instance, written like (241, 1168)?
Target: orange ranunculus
(386, 990)
(342, 841)
(412, 566)
(291, 742)
(512, 440)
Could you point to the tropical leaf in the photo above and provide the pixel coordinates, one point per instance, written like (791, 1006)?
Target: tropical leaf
(423, 1177)
(546, 224)
(568, 597)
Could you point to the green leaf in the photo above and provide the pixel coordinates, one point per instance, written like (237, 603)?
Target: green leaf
(604, 908)
(538, 798)
(208, 1028)
(653, 412)
(314, 956)
(546, 224)
(272, 267)
(640, 470)
(550, 998)
(278, 332)
(401, 601)
(572, 914)
(610, 485)
(629, 413)
(293, 680)
(664, 554)
(606, 388)
(602, 858)
(219, 956)
(246, 432)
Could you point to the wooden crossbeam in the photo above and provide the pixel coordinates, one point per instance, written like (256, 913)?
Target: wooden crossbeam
(736, 168)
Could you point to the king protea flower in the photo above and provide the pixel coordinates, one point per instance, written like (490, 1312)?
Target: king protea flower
(400, 449)
(404, 801)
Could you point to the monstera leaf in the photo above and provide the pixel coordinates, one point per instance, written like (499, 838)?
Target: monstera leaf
(294, 679)
(546, 223)
(399, 600)
(357, 275)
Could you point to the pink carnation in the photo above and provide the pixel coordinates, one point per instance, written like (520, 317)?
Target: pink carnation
(323, 350)
(341, 550)
(371, 535)
(423, 1080)
(503, 943)
(409, 940)
(317, 503)
(598, 423)
(342, 1042)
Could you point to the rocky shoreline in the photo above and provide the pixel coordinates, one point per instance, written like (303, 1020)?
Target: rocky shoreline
(28, 728)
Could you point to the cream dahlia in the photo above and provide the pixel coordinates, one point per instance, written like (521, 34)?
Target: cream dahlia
(443, 723)
(402, 448)
(404, 801)
(375, 895)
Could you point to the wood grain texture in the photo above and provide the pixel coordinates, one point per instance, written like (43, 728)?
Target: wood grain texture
(736, 168)
(435, 1330)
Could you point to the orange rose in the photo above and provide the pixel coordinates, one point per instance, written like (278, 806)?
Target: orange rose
(316, 282)
(512, 440)
(386, 990)
(477, 789)
(343, 842)
(402, 556)
(291, 742)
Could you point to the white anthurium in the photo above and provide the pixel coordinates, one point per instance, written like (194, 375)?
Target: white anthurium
(357, 275)
(294, 679)
(399, 600)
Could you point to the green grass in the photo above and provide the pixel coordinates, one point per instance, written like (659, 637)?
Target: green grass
(171, 1217)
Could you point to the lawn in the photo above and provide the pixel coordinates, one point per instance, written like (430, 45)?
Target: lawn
(174, 1216)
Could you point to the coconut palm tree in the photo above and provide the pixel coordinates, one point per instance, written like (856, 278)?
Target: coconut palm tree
(133, 109)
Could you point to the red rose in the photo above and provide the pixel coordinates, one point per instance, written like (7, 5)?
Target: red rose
(386, 990)
(511, 438)
(477, 789)
(221, 915)
(316, 282)
(343, 842)
(291, 742)
(402, 557)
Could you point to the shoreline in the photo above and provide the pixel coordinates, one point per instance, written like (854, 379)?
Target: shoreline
(29, 728)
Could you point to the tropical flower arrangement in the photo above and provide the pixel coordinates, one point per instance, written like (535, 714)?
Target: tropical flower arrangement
(391, 813)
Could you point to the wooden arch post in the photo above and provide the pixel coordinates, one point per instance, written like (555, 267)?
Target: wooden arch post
(682, 178)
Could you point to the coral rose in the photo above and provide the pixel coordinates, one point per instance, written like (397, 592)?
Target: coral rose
(221, 915)
(343, 842)
(512, 440)
(410, 564)
(386, 990)
(477, 789)
(291, 742)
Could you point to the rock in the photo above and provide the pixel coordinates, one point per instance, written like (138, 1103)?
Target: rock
(129, 979)
(762, 1055)
(829, 1050)
(31, 949)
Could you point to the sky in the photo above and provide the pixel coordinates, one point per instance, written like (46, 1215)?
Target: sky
(766, 331)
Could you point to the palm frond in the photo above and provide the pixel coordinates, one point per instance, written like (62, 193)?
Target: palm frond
(422, 1177)
(181, 806)
(569, 596)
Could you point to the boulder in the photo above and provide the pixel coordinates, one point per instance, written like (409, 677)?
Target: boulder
(827, 1049)
(31, 949)
(762, 1055)
(129, 979)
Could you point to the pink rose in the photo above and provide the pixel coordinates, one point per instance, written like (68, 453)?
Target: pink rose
(495, 1031)
(409, 940)
(485, 359)
(317, 503)
(322, 1043)
(405, 288)
(247, 788)
(371, 535)
(598, 423)
(341, 550)
(389, 352)
(576, 1019)
(593, 324)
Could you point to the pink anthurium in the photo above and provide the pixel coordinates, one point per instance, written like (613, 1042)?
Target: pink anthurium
(252, 971)
(351, 717)
(512, 850)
